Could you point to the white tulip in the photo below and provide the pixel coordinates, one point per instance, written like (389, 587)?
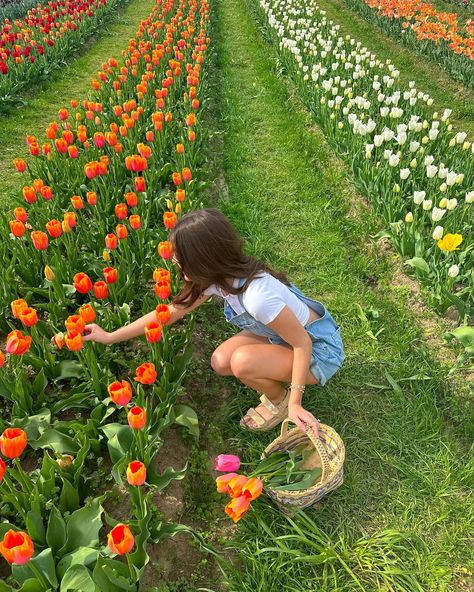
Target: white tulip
(427, 203)
(431, 170)
(446, 114)
(438, 233)
(418, 197)
(470, 197)
(428, 160)
(414, 146)
(460, 179)
(452, 203)
(460, 137)
(394, 160)
(451, 178)
(443, 187)
(453, 271)
(437, 214)
(404, 174)
(409, 217)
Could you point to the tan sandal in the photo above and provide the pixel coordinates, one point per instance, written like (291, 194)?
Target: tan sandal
(279, 413)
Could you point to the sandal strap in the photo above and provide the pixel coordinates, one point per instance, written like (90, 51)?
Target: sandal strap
(275, 409)
(255, 415)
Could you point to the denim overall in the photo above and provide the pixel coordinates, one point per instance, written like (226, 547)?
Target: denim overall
(327, 352)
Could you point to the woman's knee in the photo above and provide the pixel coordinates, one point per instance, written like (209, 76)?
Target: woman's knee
(220, 363)
(242, 363)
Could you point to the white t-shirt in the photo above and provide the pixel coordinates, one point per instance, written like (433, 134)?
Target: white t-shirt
(264, 299)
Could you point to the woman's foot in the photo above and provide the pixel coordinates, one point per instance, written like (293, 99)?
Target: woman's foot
(268, 414)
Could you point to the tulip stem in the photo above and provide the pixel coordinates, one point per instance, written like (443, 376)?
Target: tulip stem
(23, 477)
(131, 567)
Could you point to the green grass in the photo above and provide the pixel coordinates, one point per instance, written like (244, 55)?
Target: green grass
(73, 82)
(429, 77)
(402, 518)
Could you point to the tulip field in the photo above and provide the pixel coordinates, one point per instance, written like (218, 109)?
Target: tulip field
(318, 151)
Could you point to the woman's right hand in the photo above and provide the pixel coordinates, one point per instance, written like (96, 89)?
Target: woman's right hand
(95, 333)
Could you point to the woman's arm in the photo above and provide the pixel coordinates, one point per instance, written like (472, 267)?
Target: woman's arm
(287, 326)
(95, 333)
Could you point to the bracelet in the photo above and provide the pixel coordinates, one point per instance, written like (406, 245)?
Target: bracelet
(298, 387)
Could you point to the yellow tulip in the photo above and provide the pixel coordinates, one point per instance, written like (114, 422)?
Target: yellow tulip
(450, 242)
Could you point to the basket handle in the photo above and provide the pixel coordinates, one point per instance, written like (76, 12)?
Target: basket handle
(316, 442)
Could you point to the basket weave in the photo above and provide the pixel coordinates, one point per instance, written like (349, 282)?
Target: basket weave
(329, 454)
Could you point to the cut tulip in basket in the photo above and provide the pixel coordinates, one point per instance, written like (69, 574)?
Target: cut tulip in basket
(296, 471)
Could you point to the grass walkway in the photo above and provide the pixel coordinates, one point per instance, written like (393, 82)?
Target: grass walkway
(72, 82)
(402, 516)
(429, 77)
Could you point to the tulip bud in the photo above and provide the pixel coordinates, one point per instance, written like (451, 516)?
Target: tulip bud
(438, 233)
(443, 203)
(65, 462)
(443, 187)
(396, 188)
(65, 226)
(409, 217)
(49, 273)
(453, 271)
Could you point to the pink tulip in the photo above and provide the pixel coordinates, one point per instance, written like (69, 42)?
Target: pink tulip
(227, 463)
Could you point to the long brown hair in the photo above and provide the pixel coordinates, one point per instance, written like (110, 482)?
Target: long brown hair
(209, 251)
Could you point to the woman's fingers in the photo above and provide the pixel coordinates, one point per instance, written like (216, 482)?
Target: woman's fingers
(89, 332)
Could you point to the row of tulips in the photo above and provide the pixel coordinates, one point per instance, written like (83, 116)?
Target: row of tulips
(87, 242)
(40, 41)
(440, 36)
(416, 169)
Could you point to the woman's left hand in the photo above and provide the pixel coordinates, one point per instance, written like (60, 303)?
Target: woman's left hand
(303, 419)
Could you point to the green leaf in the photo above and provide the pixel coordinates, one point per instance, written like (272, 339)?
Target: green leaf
(68, 369)
(112, 576)
(5, 588)
(57, 441)
(120, 439)
(308, 481)
(44, 562)
(188, 418)
(465, 335)
(35, 425)
(393, 383)
(69, 498)
(35, 527)
(39, 383)
(83, 527)
(56, 530)
(82, 556)
(163, 480)
(419, 264)
(32, 585)
(77, 578)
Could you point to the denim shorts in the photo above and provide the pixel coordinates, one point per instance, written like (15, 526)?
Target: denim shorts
(327, 352)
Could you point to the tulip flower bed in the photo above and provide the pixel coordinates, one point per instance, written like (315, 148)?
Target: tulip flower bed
(440, 36)
(417, 171)
(100, 192)
(32, 47)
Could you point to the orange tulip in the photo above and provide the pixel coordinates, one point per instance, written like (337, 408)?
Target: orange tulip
(136, 473)
(253, 488)
(135, 221)
(169, 220)
(140, 184)
(237, 507)
(82, 283)
(77, 202)
(146, 373)
(137, 418)
(180, 195)
(73, 340)
(70, 218)
(49, 273)
(101, 290)
(63, 114)
(236, 484)
(153, 332)
(165, 249)
(111, 241)
(46, 192)
(190, 119)
(192, 135)
(121, 211)
(17, 306)
(120, 392)
(163, 314)
(13, 442)
(75, 323)
(20, 165)
(17, 228)
(54, 228)
(3, 468)
(87, 313)
(73, 151)
(20, 214)
(58, 340)
(40, 240)
(131, 198)
(161, 274)
(222, 482)
(28, 316)
(187, 175)
(91, 197)
(17, 344)
(163, 289)
(177, 179)
(120, 539)
(121, 231)
(16, 547)
(110, 275)
(2, 358)
(180, 148)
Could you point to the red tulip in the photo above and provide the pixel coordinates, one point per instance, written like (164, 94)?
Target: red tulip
(111, 241)
(16, 547)
(13, 442)
(165, 249)
(3, 468)
(136, 473)
(82, 283)
(110, 275)
(120, 392)
(163, 290)
(153, 332)
(137, 418)
(163, 314)
(20, 165)
(120, 539)
(101, 290)
(226, 463)
(20, 214)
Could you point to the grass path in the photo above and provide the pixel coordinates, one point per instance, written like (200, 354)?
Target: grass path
(404, 505)
(72, 82)
(429, 77)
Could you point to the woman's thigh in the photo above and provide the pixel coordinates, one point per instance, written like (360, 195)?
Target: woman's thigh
(265, 360)
(220, 359)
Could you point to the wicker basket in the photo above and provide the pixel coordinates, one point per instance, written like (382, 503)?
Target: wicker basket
(328, 454)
